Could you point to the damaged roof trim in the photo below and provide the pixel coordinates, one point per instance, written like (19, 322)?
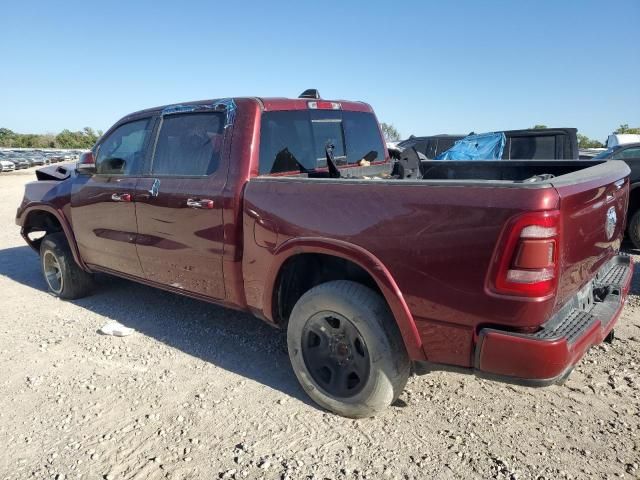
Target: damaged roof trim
(226, 104)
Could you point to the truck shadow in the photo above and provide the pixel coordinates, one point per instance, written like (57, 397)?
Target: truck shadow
(234, 341)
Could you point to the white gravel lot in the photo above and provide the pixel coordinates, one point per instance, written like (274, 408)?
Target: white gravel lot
(204, 392)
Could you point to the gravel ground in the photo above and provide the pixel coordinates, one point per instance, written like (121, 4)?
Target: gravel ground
(203, 392)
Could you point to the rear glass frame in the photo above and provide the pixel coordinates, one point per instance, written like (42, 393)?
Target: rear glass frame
(293, 131)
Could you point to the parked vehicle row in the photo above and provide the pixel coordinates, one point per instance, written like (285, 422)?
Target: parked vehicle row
(509, 269)
(22, 159)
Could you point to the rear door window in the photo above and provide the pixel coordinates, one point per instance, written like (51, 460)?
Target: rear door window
(123, 151)
(295, 140)
(189, 144)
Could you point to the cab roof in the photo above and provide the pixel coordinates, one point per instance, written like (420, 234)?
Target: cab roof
(268, 104)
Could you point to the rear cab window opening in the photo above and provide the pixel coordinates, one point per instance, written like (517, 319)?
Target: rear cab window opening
(189, 144)
(291, 140)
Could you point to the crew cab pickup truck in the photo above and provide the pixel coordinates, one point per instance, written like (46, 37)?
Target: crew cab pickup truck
(288, 209)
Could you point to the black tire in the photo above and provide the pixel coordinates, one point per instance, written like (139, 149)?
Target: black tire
(64, 277)
(353, 311)
(634, 229)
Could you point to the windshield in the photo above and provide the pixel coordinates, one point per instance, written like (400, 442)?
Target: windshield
(293, 141)
(604, 154)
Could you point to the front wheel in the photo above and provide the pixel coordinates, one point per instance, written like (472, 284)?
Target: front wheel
(346, 349)
(63, 275)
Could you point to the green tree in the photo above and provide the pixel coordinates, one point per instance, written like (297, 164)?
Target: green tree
(6, 137)
(66, 139)
(86, 138)
(586, 142)
(539, 127)
(391, 134)
(624, 128)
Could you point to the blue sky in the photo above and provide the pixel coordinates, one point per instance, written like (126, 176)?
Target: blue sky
(427, 67)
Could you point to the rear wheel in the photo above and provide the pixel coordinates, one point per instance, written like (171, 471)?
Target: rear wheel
(64, 277)
(634, 229)
(346, 349)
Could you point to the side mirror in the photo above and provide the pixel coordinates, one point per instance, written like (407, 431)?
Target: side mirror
(86, 164)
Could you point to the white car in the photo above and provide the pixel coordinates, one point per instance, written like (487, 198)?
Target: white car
(7, 166)
(616, 139)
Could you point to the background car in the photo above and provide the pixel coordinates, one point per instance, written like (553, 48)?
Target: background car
(628, 151)
(20, 163)
(7, 166)
(630, 154)
(37, 161)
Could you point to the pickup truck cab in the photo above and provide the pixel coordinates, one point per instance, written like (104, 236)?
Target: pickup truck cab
(288, 209)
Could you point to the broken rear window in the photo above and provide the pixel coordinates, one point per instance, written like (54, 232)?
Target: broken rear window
(292, 141)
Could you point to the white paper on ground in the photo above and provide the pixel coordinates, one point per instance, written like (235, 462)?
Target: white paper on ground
(116, 329)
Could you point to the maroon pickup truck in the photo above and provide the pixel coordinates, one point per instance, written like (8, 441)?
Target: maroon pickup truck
(289, 209)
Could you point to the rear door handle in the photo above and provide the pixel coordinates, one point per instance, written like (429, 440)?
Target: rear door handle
(121, 197)
(200, 203)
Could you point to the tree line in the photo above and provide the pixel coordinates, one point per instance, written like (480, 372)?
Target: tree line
(82, 139)
(391, 134)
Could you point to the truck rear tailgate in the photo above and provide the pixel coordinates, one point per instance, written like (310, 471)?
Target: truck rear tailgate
(593, 205)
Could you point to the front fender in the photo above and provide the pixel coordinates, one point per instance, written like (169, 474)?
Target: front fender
(365, 260)
(66, 228)
(53, 197)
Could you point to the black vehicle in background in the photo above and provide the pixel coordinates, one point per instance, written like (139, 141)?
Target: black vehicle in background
(528, 144)
(629, 153)
(431, 146)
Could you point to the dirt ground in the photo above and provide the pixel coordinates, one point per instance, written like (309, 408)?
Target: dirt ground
(203, 392)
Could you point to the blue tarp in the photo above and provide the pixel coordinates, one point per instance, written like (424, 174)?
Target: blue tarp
(484, 146)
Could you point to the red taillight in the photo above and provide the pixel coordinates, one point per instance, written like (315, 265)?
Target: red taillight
(322, 105)
(526, 260)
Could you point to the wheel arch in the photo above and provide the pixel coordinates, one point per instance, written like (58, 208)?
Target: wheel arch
(362, 261)
(49, 220)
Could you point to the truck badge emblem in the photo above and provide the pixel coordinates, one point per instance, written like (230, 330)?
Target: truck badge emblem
(610, 223)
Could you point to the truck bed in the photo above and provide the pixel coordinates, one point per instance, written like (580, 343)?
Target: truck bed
(533, 174)
(438, 236)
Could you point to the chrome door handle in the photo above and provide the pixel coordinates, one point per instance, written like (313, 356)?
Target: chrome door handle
(200, 203)
(121, 197)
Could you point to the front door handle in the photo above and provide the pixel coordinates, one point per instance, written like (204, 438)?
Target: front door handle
(200, 203)
(121, 197)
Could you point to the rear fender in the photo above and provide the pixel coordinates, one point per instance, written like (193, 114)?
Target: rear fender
(365, 260)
